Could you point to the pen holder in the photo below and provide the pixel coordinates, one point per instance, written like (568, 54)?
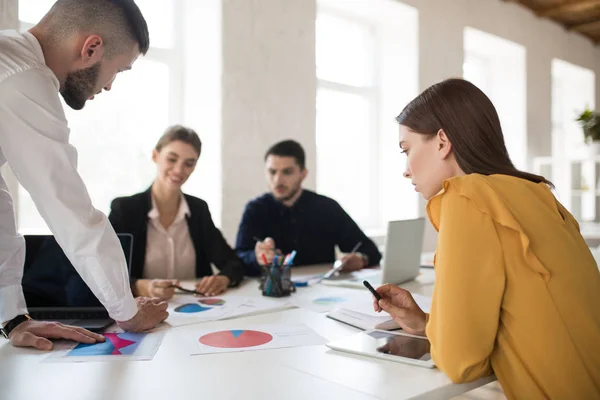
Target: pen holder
(276, 281)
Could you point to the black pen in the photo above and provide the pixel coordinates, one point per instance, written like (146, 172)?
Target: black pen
(333, 270)
(373, 291)
(186, 290)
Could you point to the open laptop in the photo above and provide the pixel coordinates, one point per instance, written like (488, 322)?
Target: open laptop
(53, 289)
(401, 258)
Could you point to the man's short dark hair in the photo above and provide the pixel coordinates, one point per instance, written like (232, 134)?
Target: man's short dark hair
(288, 148)
(113, 20)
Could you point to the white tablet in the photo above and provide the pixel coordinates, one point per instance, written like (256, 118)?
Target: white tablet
(392, 346)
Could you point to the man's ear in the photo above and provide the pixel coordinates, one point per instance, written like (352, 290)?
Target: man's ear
(92, 50)
(304, 172)
(444, 146)
(155, 155)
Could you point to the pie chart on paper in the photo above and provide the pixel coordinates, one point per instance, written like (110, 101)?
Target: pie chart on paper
(326, 301)
(235, 339)
(212, 302)
(191, 308)
(116, 344)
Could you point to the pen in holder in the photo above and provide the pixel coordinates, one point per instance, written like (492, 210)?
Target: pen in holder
(276, 279)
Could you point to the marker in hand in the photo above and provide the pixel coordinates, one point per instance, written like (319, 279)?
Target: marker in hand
(372, 290)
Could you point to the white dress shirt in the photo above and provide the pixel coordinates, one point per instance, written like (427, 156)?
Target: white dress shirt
(34, 140)
(170, 253)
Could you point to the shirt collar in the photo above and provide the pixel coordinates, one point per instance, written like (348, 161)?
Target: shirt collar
(295, 207)
(184, 209)
(36, 45)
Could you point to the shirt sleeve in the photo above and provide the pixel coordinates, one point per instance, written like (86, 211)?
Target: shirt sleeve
(469, 287)
(12, 257)
(34, 141)
(116, 216)
(350, 234)
(245, 243)
(220, 253)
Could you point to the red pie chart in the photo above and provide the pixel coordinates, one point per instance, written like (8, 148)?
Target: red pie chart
(212, 302)
(235, 339)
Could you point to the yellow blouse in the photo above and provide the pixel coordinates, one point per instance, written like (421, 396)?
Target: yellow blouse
(517, 290)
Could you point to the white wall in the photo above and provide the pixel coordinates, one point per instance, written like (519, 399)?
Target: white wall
(8, 14)
(268, 93)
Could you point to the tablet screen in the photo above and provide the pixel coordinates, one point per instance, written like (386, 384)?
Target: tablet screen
(400, 345)
(392, 344)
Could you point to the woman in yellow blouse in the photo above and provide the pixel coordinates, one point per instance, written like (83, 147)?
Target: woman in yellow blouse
(517, 290)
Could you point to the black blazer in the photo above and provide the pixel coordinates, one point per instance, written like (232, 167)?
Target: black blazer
(130, 215)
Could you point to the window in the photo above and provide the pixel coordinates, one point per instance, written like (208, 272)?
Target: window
(366, 54)
(346, 125)
(575, 174)
(572, 92)
(116, 132)
(497, 67)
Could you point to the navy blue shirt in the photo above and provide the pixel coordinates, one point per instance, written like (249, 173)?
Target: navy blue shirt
(313, 226)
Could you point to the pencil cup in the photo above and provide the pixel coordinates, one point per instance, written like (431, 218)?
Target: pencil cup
(276, 281)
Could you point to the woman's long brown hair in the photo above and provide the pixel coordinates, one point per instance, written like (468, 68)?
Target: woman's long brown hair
(471, 123)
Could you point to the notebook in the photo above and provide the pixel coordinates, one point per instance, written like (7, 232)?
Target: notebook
(53, 289)
(361, 315)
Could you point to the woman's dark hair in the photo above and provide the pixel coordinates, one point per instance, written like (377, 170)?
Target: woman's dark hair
(471, 123)
(181, 133)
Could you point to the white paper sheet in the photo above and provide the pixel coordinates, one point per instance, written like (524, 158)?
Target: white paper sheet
(119, 346)
(366, 307)
(328, 300)
(186, 309)
(248, 338)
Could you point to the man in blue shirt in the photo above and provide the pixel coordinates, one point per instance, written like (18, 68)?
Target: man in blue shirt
(292, 218)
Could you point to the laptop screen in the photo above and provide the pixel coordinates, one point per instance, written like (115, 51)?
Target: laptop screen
(50, 280)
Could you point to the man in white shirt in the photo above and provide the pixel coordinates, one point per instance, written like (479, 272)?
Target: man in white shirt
(77, 49)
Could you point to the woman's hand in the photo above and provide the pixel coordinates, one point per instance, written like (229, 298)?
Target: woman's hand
(401, 306)
(160, 288)
(213, 285)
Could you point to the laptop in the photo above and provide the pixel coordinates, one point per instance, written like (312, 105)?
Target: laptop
(53, 289)
(401, 258)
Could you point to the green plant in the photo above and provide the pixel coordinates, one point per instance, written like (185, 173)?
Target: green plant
(590, 122)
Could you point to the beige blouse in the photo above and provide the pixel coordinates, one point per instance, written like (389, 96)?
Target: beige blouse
(170, 253)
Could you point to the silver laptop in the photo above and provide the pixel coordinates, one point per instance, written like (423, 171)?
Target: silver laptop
(401, 257)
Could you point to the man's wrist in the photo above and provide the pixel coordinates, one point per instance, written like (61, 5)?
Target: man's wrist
(9, 326)
(365, 259)
(226, 278)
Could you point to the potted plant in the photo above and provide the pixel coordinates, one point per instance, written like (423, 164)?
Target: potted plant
(590, 122)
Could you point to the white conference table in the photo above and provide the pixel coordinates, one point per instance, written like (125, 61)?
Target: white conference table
(314, 372)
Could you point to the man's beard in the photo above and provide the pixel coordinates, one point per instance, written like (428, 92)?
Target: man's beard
(80, 86)
(291, 195)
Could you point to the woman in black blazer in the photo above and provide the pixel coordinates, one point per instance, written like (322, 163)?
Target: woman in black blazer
(174, 235)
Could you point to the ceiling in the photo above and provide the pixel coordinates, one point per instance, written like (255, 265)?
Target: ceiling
(581, 16)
